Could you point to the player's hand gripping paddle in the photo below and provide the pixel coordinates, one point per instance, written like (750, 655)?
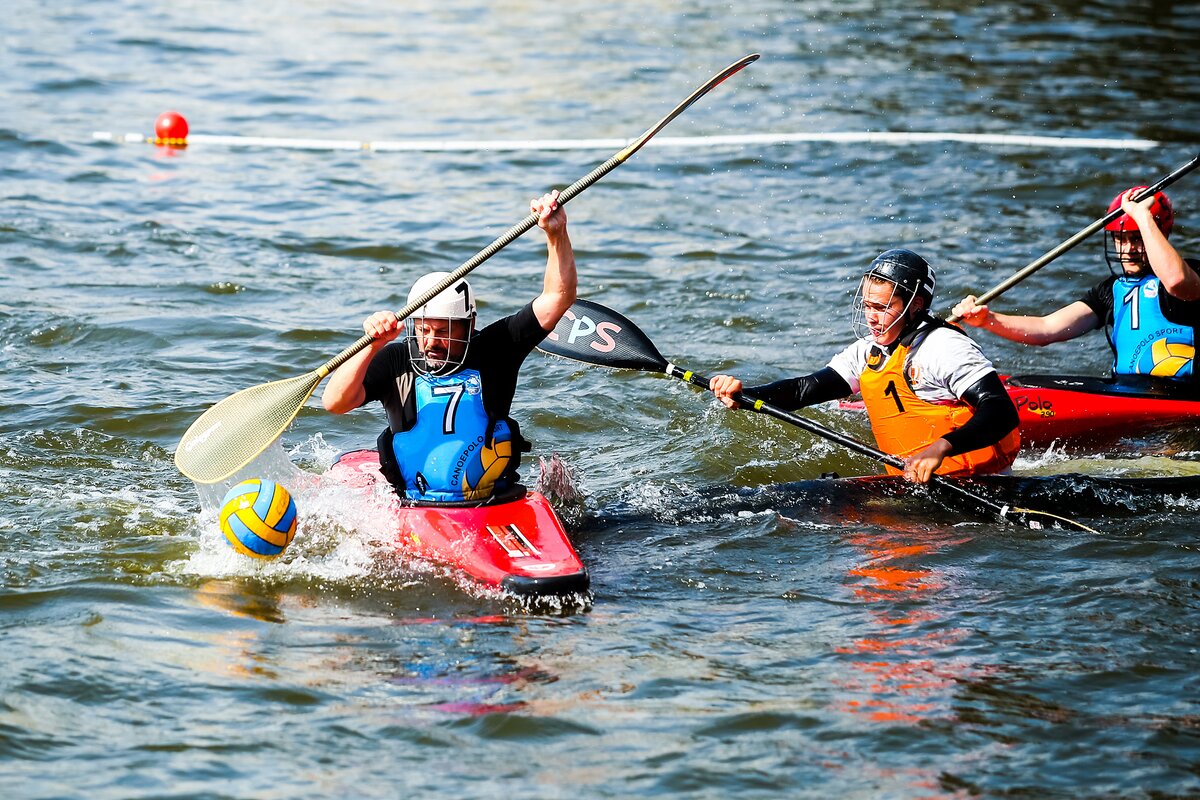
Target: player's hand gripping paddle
(594, 334)
(233, 432)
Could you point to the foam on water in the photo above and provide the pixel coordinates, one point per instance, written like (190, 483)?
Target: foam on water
(1055, 461)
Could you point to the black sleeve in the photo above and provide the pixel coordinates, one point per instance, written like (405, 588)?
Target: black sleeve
(387, 373)
(379, 379)
(793, 393)
(995, 416)
(1099, 299)
(513, 337)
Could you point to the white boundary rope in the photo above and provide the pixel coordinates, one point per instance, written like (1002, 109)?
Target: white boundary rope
(448, 146)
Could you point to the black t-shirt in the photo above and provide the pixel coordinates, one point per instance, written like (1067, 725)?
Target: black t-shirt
(1182, 312)
(497, 352)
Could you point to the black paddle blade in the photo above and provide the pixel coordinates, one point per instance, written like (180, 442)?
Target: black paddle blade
(593, 334)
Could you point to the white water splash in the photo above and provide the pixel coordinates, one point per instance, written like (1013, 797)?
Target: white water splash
(1056, 461)
(344, 536)
(557, 481)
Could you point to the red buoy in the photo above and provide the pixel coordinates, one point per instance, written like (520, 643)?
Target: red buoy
(170, 129)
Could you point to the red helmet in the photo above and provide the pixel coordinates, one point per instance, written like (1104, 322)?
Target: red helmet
(1160, 209)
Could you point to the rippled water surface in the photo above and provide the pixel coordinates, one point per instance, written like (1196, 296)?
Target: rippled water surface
(740, 640)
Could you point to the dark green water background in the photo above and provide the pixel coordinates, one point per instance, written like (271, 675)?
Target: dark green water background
(730, 649)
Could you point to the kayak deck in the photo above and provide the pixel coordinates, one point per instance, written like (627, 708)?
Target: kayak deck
(518, 545)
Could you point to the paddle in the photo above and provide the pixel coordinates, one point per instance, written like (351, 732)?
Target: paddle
(594, 334)
(230, 434)
(1038, 263)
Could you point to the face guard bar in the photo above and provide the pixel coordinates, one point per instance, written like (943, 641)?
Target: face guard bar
(447, 341)
(859, 325)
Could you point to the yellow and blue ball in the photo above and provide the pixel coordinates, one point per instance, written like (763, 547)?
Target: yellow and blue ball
(258, 518)
(1170, 358)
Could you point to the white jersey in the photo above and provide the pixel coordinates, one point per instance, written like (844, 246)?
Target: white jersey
(942, 364)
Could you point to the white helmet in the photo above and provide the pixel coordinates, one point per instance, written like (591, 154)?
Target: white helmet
(456, 302)
(455, 308)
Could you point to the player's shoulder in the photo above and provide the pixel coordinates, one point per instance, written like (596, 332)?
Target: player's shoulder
(946, 349)
(940, 336)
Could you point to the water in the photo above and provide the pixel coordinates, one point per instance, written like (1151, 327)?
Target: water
(749, 645)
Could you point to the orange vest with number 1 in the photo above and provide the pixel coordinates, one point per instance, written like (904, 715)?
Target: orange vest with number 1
(905, 424)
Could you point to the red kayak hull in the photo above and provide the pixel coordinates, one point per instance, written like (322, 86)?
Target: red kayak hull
(1078, 410)
(1083, 411)
(519, 545)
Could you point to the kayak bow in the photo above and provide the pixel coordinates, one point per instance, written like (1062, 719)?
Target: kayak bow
(518, 545)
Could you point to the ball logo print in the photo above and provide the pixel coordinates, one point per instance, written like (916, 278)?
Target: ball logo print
(1170, 358)
(258, 518)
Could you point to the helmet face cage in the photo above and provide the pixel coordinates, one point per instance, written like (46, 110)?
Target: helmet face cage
(1133, 259)
(456, 341)
(907, 273)
(446, 321)
(861, 329)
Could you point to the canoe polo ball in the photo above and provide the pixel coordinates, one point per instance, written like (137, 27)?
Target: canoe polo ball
(258, 518)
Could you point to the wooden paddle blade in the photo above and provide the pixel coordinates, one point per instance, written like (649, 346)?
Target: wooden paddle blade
(233, 432)
(594, 334)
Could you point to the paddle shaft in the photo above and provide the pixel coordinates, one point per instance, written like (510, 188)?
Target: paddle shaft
(849, 442)
(1038, 263)
(234, 431)
(564, 196)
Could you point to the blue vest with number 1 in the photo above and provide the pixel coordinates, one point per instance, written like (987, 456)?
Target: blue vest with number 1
(449, 455)
(1144, 340)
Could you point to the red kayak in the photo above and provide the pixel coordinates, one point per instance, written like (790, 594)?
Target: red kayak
(1084, 410)
(515, 543)
(1077, 410)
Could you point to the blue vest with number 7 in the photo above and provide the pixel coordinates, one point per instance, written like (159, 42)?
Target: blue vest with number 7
(449, 455)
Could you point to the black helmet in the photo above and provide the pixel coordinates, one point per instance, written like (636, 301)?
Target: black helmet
(911, 274)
